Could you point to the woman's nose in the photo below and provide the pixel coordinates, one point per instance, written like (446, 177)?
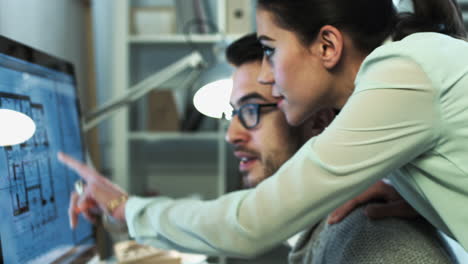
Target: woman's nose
(266, 73)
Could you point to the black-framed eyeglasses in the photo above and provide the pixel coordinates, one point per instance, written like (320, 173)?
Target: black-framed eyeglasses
(249, 114)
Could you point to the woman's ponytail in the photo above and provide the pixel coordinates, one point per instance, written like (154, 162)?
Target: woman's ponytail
(442, 16)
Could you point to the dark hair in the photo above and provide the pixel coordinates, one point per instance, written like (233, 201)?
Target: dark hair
(244, 50)
(443, 16)
(368, 22)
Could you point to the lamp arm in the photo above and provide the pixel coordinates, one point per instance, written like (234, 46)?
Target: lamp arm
(193, 60)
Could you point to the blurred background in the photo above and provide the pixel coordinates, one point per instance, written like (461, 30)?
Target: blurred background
(118, 45)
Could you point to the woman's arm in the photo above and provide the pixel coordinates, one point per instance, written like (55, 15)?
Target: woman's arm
(389, 120)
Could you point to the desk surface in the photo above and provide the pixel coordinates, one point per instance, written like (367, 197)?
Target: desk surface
(95, 260)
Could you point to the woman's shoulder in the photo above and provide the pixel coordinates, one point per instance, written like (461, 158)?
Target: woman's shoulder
(438, 56)
(423, 45)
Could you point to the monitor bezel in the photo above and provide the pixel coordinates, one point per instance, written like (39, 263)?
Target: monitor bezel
(27, 53)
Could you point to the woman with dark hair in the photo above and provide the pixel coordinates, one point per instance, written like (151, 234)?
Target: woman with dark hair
(403, 104)
(404, 112)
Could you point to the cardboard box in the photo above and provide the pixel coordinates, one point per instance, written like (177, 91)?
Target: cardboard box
(153, 20)
(162, 111)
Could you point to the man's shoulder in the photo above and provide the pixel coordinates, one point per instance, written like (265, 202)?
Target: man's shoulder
(358, 239)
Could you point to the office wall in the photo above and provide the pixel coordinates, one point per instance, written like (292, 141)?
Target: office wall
(54, 26)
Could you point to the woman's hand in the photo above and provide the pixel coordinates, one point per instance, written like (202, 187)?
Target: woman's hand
(393, 204)
(98, 194)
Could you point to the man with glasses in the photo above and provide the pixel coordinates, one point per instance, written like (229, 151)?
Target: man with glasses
(261, 137)
(262, 141)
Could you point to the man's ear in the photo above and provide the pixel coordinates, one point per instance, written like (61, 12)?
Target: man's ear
(330, 44)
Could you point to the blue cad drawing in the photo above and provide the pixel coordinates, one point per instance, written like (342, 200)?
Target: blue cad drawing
(29, 168)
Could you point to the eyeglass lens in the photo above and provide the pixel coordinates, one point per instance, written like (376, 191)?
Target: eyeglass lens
(249, 114)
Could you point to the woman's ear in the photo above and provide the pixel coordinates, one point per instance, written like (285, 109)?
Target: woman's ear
(330, 43)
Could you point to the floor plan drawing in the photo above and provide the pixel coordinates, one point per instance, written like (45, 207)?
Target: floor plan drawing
(30, 177)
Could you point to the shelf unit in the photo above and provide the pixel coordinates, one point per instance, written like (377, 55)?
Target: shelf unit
(175, 39)
(464, 7)
(127, 141)
(178, 164)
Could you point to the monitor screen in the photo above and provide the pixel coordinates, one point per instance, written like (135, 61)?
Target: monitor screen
(34, 187)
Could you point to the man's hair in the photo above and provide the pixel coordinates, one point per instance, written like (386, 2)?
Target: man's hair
(244, 50)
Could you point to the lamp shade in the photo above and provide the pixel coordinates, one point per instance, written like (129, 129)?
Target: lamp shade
(15, 127)
(213, 98)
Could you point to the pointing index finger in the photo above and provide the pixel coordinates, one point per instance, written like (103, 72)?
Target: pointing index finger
(81, 169)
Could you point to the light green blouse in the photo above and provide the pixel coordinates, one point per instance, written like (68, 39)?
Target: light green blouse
(408, 116)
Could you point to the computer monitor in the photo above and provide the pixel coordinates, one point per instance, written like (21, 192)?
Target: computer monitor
(34, 186)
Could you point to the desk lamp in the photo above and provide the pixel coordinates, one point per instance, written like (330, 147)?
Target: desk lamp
(212, 99)
(193, 60)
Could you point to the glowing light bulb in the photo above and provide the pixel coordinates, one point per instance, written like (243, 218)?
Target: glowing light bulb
(213, 99)
(15, 127)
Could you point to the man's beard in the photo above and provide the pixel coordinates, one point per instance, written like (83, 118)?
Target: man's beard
(270, 166)
(275, 159)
